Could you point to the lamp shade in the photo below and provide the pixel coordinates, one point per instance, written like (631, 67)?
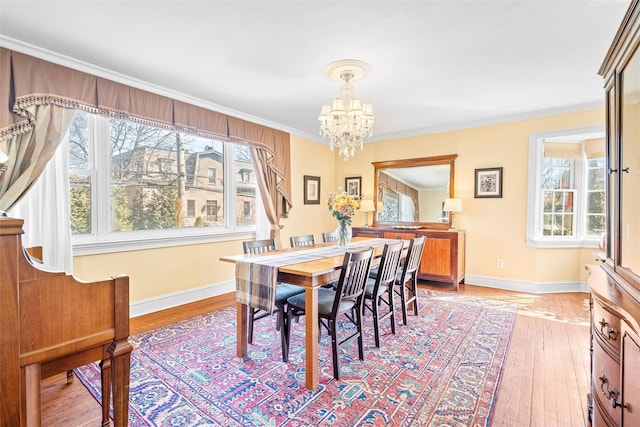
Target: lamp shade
(452, 205)
(367, 206)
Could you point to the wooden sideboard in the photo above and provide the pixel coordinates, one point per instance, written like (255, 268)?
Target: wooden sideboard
(444, 252)
(615, 350)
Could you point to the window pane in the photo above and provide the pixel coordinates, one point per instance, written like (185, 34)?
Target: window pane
(204, 160)
(143, 177)
(80, 198)
(79, 141)
(80, 183)
(245, 178)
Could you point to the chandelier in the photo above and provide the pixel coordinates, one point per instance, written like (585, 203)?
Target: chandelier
(346, 123)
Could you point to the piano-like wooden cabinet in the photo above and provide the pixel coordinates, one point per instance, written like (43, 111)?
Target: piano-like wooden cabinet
(615, 284)
(51, 323)
(444, 252)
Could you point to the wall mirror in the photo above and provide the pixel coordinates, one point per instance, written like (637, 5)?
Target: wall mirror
(410, 193)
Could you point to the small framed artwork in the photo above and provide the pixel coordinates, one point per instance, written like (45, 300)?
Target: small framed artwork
(488, 182)
(353, 186)
(311, 190)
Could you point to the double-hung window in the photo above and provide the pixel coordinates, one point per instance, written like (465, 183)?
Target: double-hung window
(133, 182)
(566, 197)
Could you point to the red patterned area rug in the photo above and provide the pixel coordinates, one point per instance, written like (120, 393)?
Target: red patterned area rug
(443, 368)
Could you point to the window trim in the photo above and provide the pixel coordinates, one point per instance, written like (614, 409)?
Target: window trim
(534, 194)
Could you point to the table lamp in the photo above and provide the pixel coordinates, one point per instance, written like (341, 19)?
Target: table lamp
(453, 206)
(366, 206)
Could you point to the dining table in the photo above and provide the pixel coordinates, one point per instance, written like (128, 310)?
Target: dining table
(311, 275)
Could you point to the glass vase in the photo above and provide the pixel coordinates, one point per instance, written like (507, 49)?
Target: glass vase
(344, 233)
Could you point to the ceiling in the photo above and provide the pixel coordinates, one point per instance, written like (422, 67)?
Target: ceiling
(435, 65)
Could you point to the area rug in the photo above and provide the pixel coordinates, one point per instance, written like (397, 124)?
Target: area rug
(443, 368)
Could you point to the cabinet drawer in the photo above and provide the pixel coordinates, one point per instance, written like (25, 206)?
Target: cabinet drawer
(606, 327)
(398, 235)
(606, 383)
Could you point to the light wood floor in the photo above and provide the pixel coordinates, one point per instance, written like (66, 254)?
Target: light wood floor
(545, 380)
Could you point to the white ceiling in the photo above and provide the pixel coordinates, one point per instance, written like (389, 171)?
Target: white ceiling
(435, 65)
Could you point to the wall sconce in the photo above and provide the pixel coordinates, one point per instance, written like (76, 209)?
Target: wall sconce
(453, 206)
(367, 206)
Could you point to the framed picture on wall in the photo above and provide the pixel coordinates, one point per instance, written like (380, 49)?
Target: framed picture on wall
(353, 186)
(311, 190)
(488, 182)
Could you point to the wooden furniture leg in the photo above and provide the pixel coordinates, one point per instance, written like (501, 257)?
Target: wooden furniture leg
(311, 338)
(105, 370)
(241, 329)
(120, 369)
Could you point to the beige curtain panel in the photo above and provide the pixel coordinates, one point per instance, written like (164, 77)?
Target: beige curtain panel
(27, 82)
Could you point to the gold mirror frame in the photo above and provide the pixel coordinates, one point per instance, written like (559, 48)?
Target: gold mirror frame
(409, 163)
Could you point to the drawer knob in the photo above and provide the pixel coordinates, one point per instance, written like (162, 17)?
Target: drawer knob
(610, 333)
(610, 395)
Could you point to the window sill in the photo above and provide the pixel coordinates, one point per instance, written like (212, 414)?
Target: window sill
(562, 243)
(155, 241)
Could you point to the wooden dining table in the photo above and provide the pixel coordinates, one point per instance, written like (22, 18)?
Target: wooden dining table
(310, 275)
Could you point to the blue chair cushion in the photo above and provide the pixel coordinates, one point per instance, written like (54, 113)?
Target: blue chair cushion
(371, 283)
(285, 291)
(325, 301)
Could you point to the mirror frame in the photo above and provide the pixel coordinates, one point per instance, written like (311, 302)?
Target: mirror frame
(408, 163)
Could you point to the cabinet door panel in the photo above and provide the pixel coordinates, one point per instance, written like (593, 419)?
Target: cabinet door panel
(437, 257)
(630, 375)
(606, 383)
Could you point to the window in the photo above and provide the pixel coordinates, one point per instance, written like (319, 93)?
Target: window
(566, 198)
(247, 209)
(191, 208)
(129, 183)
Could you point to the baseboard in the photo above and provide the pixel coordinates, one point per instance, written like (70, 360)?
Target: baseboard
(162, 302)
(521, 286)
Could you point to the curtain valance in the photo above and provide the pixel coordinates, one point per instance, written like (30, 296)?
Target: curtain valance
(27, 82)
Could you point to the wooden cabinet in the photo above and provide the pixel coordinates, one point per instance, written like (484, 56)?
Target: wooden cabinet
(444, 252)
(615, 284)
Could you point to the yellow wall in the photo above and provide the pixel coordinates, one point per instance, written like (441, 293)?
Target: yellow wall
(156, 272)
(496, 227)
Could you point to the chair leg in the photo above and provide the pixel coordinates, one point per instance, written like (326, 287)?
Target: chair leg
(392, 315)
(252, 313)
(415, 295)
(376, 323)
(282, 324)
(403, 303)
(360, 337)
(334, 347)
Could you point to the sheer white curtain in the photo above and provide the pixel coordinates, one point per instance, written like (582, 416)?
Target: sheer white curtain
(46, 214)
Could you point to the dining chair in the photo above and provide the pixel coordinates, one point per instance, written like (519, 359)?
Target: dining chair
(347, 299)
(283, 291)
(299, 241)
(380, 290)
(407, 279)
(330, 237)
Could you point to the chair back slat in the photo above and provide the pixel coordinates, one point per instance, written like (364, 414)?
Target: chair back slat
(299, 241)
(353, 277)
(253, 247)
(330, 237)
(389, 263)
(414, 254)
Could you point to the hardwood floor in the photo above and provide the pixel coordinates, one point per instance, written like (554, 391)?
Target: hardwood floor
(545, 380)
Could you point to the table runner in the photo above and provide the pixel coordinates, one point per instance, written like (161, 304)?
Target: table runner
(256, 279)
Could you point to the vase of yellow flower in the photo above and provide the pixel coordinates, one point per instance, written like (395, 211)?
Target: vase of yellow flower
(343, 207)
